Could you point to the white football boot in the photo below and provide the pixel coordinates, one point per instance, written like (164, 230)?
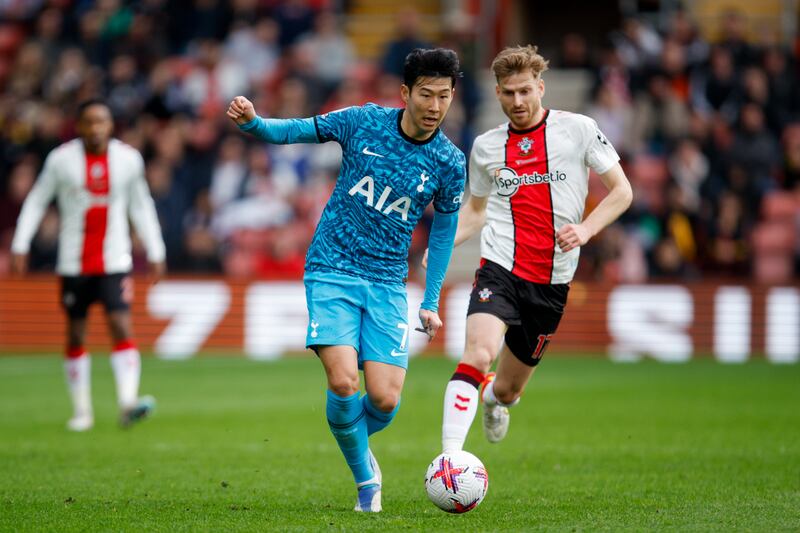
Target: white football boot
(369, 492)
(80, 423)
(495, 417)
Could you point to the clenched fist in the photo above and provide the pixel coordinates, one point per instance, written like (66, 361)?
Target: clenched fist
(241, 110)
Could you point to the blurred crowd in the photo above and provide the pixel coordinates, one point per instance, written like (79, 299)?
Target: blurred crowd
(709, 133)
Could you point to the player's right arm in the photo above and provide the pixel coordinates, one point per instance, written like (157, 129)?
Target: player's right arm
(33, 210)
(339, 125)
(274, 131)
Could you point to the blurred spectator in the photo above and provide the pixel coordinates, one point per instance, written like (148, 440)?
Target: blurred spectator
(638, 45)
(756, 152)
(689, 168)
(784, 89)
(790, 175)
(200, 244)
(614, 118)
(213, 80)
(726, 248)
(69, 75)
(48, 35)
(294, 18)
(127, 89)
(409, 37)
(733, 38)
(574, 53)
(19, 185)
(255, 47)
(714, 87)
(230, 171)
(171, 206)
(331, 49)
(660, 117)
(683, 30)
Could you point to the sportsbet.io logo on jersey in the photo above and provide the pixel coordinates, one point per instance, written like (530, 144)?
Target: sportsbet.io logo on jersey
(508, 181)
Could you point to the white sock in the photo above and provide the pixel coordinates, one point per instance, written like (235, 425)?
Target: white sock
(460, 406)
(127, 367)
(491, 400)
(79, 378)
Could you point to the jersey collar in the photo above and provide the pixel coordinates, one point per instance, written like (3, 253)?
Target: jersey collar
(532, 128)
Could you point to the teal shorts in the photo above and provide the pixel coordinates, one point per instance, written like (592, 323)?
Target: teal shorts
(371, 317)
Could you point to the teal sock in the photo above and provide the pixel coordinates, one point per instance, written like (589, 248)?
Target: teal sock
(348, 424)
(376, 419)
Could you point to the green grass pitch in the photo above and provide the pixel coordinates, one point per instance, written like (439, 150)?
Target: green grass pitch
(238, 445)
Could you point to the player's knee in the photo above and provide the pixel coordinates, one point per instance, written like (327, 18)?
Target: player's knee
(343, 386)
(478, 356)
(508, 394)
(385, 402)
(120, 329)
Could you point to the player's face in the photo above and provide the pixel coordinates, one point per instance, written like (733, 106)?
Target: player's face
(95, 126)
(520, 97)
(427, 103)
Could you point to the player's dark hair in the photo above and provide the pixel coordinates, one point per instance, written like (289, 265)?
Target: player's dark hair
(431, 63)
(86, 104)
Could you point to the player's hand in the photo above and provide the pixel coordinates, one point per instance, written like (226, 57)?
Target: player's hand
(572, 236)
(425, 259)
(157, 271)
(19, 264)
(241, 110)
(430, 323)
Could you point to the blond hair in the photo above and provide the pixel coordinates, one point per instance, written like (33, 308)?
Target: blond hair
(516, 59)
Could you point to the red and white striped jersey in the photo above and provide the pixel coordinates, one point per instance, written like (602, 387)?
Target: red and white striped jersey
(96, 195)
(537, 181)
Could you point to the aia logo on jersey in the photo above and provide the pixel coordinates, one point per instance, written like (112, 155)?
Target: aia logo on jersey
(366, 188)
(484, 294)
(525, 146)
(508, 181)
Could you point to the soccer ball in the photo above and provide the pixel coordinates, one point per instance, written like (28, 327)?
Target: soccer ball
(456, 482)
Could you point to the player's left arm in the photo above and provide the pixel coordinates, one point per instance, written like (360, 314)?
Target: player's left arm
(142, 212)
(440, 248)
(615, 203)
(440, 245)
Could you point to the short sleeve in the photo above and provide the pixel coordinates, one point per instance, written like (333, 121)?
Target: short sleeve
(600, 156)
(449, 196)
(480, 182)
(337, 125)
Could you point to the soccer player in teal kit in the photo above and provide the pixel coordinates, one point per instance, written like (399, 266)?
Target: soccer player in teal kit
(394, 163)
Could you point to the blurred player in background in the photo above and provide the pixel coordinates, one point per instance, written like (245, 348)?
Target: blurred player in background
(98, 183)
(395, 162)
(528, 183)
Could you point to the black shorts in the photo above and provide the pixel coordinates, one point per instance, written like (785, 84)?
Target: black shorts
(531, 311)
(115, 291)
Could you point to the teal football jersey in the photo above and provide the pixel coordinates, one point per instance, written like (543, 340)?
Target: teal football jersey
(386, 181)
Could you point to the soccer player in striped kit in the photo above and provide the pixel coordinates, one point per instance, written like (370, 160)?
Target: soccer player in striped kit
(98, 183)
(528, 181)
